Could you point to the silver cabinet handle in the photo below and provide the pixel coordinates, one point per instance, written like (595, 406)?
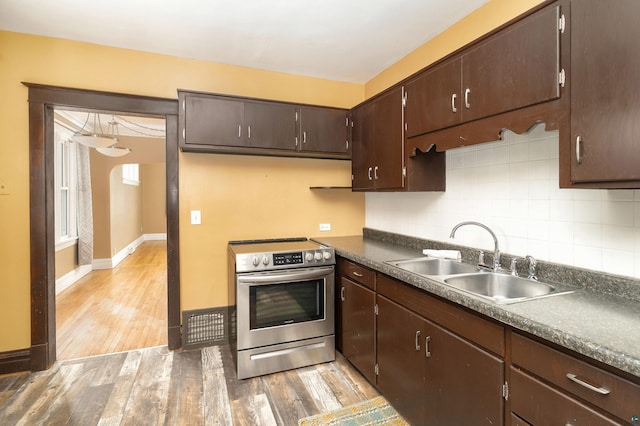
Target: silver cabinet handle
(417, 340)
(342, 294)
(600, 390)
(249, 131)
(453, 102)
(375, 173)
(467, 103)
(239, 130)
(369, 173)
(579, 149)
(358, 274)
(427, 352)
(304, 137)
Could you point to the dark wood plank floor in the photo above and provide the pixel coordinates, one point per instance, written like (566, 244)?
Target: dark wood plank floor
(155, 386)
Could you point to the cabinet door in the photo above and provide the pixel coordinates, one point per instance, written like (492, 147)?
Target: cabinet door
(433, 99)
(270, 125)
(389, 142)
(401, 359)
(214, 121)
(323, 130)
(605, 65)
(358, 326)
(463, 382)
(362, 155)
(517, 68)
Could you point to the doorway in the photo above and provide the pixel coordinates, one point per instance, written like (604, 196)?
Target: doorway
(110, 231)
(42, 101)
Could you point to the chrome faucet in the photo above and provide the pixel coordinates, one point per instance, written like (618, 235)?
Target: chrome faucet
(532, 267)
(496, 250)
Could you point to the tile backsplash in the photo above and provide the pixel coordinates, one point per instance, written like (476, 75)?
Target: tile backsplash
(512, 187)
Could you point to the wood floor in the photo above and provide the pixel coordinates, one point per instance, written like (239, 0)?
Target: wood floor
(117, 309)
(155, 386)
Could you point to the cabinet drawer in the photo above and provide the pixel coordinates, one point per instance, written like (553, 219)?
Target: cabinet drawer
(614, 394)
(540, 404)
(357, 273)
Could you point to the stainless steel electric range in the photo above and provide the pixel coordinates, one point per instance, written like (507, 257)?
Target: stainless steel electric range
(283, 294)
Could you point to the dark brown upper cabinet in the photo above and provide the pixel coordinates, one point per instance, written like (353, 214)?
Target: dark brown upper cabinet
(433, 99)
(381, 160)
(213, 121)
(324, 130)
(234, 125)
(514, 68)
(270, 125)
(602, 147)
(378, 143)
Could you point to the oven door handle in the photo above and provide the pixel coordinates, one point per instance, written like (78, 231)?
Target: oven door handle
(280, 277)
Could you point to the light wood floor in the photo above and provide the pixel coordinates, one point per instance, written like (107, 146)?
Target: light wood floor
(155, 386)
(117, 309)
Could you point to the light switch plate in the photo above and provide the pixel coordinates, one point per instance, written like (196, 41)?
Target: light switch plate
(325, 227)
(196, 218)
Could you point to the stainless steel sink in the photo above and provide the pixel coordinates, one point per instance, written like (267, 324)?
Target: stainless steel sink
(434, 266)
(502, 288)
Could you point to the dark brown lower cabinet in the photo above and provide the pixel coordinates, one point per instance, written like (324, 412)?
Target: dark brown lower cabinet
(357, 304)
(463, 382)
(432, 376)
(401, 361)
(535, 403)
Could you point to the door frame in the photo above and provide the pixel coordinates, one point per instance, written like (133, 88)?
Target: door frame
(42, 101)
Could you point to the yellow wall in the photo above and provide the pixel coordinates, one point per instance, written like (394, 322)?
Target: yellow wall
(65, 63)
(488, 17)
(244, 197)
(126, 211)
(66, 260)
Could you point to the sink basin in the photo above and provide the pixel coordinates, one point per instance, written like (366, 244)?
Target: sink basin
(434, 266)
(501, 288)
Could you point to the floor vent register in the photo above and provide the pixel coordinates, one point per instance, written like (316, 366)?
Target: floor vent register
(204, 327)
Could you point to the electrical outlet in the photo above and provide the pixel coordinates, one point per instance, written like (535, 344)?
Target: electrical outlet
(325, 227)
(196, 218)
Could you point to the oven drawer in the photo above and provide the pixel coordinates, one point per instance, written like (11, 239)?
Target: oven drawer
(601, 388)
(285, 356)
(357, 273)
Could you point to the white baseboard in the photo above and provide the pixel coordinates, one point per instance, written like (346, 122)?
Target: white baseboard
(110, 263)
(155, 237)
(70, 278)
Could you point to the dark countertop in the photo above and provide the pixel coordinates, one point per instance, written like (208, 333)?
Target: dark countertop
(601, 326)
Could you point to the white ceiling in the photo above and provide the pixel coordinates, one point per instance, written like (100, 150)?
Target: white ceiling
(344, 40)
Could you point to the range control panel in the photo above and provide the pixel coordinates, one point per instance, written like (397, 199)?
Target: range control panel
(322, 256)
(287, 258)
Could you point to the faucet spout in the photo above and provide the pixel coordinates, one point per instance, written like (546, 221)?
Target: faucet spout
(496, 249)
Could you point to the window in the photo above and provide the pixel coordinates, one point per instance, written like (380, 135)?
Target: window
(65, 182)
(131, 174)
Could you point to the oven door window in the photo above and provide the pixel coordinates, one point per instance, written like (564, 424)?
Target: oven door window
(286, 303)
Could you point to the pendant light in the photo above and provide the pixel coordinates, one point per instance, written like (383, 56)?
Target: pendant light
(94, 139)
(104, 143)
